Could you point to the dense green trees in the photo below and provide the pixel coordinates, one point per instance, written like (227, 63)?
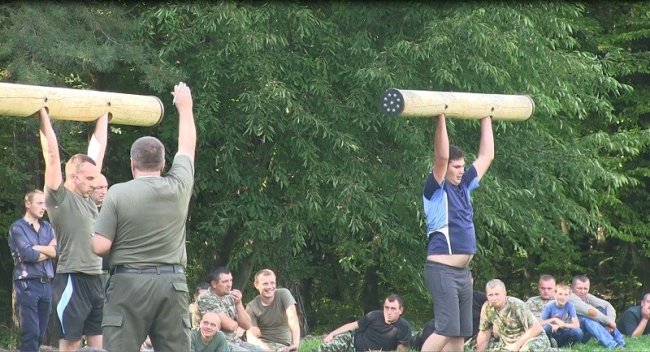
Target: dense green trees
(298, 171)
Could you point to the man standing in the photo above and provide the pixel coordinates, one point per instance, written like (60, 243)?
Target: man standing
(100, 187)
(142, 227)
(376, 331)
(597, 317)
(33, 246)
(227, 303)
(510, 321)
(450, 235)
(274, 320)
(77, 287)
(546, 288)
(634, 321)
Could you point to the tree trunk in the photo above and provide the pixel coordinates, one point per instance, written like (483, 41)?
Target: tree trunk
(370, 295)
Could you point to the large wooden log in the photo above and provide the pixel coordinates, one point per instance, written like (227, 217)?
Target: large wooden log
(421, 103)
(20, 100)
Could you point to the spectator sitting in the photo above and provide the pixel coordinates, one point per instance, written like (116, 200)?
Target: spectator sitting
(634, 321)
(597, 317)
(546, 288)
(208, 338)
(559, 318)
(274, 320)
(377, 330)
(195, 315)
(510, 321)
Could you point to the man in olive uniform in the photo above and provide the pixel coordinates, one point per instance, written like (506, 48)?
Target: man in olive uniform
(78, 294)
(510, 322)
(141, 226)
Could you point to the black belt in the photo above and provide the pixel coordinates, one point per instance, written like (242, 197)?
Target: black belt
(162, 269)
(43, 279)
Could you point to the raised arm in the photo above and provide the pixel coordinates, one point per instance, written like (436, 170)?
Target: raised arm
(50, 147)
(440, 150)
(485, 149)
(186, 128)
(98, 141)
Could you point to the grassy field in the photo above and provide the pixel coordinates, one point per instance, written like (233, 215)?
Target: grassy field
(641, 344)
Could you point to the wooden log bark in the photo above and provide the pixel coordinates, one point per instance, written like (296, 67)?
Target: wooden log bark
(420, 103)
(20, 100)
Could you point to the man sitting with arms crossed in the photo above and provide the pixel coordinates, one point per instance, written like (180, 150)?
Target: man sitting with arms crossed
(227, 303)
(377, 330)
(274, 320)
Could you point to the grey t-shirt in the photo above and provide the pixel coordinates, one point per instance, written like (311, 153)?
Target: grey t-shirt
(145, 217)
(73, 218)
(272, 319)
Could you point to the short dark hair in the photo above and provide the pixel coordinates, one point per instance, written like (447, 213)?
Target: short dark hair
(148, 154)
(455, 153)
(546, 277)
(395, 297)
(75, 162)
(581, 278)
(216, 273)
(201, 286)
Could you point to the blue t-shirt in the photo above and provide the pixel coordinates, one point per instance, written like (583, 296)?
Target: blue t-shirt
(566, 313)
(449, 214)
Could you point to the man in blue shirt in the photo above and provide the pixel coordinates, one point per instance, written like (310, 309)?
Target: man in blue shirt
(450, 235)
(33, 246)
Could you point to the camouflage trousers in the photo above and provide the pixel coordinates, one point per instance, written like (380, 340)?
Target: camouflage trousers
(274, 346)
(238, 345)
(341, 343)
(540, 343)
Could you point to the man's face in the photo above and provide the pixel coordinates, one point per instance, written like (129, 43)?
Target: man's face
(223, 286)
(455, 171)
(209, 325)
(266, 286)
(581, 288)
(496, 297)
(546, 289)
(36, 207)
(561, 296)
(392, 311)
(646, 302)
(100, 187)
(84, 179)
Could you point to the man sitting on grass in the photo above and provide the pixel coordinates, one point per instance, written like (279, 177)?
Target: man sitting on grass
(377, 330)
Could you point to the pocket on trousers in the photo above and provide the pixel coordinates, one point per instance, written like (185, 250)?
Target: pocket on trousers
(180, 287)
(112, 320)
(186, 323)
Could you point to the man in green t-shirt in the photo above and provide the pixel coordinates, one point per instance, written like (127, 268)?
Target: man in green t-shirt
(77, 290)
(141, 226)
(274, 320)
(208, 337)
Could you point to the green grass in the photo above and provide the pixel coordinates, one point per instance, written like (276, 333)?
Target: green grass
(641, 344)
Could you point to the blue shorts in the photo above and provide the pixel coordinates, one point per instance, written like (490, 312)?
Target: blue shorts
(452, 293)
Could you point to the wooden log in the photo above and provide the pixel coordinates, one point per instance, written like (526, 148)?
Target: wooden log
(20, 100)
(421, 103)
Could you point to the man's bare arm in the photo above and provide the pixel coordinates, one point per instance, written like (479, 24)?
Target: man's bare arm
(186, 127)
(50, 147)
(485, 149)
(440, 149)
(98, 141)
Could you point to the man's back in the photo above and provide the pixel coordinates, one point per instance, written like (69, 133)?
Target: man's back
(152, 212)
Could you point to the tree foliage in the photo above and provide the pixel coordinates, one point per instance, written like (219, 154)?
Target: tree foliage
(298, 171)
